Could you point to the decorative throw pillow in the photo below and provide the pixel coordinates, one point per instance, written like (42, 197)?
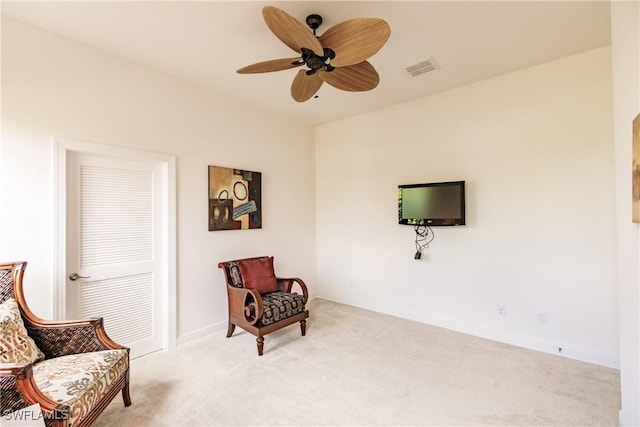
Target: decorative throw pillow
(234, 272)
(258, 274)
(15, 345)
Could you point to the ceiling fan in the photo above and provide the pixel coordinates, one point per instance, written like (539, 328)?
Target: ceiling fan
(337, 57)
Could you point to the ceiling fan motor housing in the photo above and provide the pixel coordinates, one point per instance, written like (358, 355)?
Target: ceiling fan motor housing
(316, 62)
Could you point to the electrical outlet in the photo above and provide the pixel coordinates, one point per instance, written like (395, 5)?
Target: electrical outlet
(542, 318)
(502, 311)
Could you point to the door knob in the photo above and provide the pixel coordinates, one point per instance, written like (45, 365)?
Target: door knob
(75, 276)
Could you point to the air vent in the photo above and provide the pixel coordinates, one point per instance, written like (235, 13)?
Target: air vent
(421, 68)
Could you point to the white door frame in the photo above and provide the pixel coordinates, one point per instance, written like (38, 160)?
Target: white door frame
(62, 147)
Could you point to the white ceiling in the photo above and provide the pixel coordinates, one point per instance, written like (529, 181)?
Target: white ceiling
(205, 42)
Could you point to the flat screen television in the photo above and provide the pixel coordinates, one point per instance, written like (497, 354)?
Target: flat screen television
(435, 203)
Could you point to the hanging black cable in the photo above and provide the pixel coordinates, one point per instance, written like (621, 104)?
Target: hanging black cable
(424, 236)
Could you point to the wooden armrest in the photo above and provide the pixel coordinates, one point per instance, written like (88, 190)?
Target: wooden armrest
(19, 370)
(19, 390)
(242, 301)
(57, 339)
(286, 284)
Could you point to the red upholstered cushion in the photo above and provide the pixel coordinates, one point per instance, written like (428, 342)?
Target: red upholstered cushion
(258, 274)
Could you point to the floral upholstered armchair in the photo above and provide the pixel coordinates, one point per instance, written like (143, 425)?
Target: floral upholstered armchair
(259, 302)
(72, 369)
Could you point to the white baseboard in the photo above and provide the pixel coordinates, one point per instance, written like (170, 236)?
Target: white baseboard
(533, 343)
(554, 347)
(201, 333)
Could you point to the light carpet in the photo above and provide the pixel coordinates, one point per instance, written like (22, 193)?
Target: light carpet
(360, 368)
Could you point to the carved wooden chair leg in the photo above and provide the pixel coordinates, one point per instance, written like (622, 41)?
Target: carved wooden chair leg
(303, 327)
(260, 341)
(126, 397)
(230, 329)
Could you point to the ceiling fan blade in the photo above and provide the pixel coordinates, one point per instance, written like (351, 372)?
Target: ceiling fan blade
(290, 31)
(305, 86)
(355, 40)
(354, 78)
(268, 66)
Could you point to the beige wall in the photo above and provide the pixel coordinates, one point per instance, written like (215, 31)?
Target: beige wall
(54, 87)
(536, 150)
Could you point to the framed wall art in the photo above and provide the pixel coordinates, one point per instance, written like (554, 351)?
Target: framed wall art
(235, 199)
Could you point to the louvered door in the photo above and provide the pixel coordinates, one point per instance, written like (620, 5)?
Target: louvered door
(111, 241)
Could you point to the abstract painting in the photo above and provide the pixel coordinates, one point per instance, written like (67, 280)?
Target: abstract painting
(235, 199)
(635, 170)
